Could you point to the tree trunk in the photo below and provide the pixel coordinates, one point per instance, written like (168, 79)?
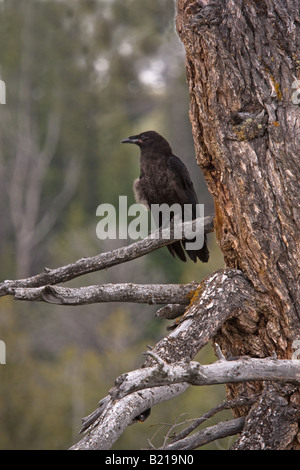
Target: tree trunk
(242, 63)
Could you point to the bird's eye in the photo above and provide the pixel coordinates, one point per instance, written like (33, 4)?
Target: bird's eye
(144, 137)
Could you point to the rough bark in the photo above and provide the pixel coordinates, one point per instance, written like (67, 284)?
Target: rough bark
(272, 422)
(242, 59)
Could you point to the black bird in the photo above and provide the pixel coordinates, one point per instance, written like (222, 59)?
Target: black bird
(165, 179)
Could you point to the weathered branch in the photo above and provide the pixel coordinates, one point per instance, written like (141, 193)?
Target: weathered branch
(217, 298)
(209, 434)
(170, 311)
(116, 416)
(83, 266)
(241, 370)
(127, 292)
(132, 394)
(196, 422)
(220, 296)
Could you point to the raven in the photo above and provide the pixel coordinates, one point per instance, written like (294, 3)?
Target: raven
(165, 179)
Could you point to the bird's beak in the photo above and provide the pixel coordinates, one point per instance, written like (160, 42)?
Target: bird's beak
(131, 140)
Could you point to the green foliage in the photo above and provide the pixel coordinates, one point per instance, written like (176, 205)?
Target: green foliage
(108, 69)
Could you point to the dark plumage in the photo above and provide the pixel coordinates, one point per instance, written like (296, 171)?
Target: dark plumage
(165, 179)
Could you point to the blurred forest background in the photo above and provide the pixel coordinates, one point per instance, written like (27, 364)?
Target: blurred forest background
(80, 76)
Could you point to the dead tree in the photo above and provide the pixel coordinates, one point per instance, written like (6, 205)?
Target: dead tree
(169, 368)
(242, 61)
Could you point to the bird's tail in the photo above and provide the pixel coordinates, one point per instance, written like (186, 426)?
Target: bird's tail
(202, 254)
(178, 248)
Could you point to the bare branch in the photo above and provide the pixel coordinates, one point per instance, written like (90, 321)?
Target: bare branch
(118, 415)
(132, 394)
(220, 372)
(212, 433)
(127, 292)
(83, 266)
(218, 297)
(226, 405)
(170, 311)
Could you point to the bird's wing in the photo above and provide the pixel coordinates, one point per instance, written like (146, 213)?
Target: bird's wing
(180, 170)
(183, 177)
